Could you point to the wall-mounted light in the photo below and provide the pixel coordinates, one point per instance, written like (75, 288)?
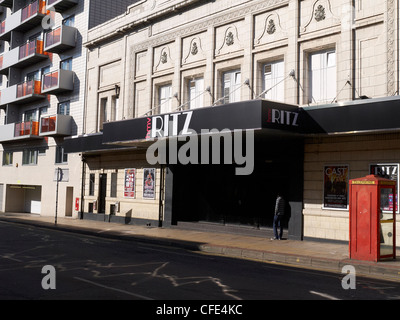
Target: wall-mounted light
(117, 90)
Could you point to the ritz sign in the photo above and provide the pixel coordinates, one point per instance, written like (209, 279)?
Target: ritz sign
(167, 125)
(288, 118)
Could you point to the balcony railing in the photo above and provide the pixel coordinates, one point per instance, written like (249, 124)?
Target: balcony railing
(24, 129)
(48, 124)
(50, 80)
(22, 93)
(3, 27)
(58, 81)
(32, 47)
(55, 125)
(39, 6)
(60, 39)
(28, 88)
(53, 37)
(23, 20)
(23, 56)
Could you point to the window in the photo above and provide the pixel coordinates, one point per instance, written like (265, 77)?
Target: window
(114, 108)
(61, 156)
(63, 108)
(273, 81)
(30, 115)
(91, 184)
(35, 75)
(113, 190)
(45, 70)
(322, 77)
(43, 111)
(231, 86)
(29, 157)
(103, 112)
(196, 90)
(66, 64)
(164, 97)
(37, 36)
(70, 21)
(7, 158)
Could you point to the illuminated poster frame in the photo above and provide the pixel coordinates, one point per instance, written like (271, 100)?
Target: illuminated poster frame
(336, 186)
(389, 171)
(130, 183)
(149, 183)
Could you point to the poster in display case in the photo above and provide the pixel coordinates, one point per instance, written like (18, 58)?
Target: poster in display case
(129, 183)
(149, 183)
(336, 182)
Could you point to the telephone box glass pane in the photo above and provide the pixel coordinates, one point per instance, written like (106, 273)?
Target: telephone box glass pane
(386, 222)
(387, 201)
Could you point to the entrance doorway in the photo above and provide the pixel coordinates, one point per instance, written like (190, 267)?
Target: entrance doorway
(24, 198)
(1, 196)
(205, 194)
(69, 201)
(102, 193)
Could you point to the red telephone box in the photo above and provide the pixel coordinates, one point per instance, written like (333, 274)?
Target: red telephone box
(372, 218)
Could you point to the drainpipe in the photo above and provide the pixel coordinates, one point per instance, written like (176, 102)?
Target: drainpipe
(160, 205)
(83, 185)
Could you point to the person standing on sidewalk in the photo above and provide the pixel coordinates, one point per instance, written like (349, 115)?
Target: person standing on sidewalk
(278, 217)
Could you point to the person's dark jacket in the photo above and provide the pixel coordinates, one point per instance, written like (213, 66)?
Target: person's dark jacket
(280, 206)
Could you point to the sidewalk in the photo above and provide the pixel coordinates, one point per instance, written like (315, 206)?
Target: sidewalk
(323, 256)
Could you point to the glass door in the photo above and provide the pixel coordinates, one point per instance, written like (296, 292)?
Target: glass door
(387, 221)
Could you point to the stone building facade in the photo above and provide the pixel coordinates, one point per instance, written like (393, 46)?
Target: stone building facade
(332, 60)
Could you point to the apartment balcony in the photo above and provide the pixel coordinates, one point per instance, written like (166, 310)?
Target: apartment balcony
(23, 56)
(24, 19)
(7, 132)
(61, 5)
(25, 92)
(26, 130)
(58, 81)
(6, 3)
(60, 39)
(20, 131)
(55, 125)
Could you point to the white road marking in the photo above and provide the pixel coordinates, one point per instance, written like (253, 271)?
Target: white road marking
(324, 295)
(114, 289)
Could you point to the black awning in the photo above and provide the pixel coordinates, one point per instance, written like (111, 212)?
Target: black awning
(355, 116)
(87, 143)
(245, 115)
(267, 116)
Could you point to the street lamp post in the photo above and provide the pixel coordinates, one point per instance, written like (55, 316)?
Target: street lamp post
(58, 180)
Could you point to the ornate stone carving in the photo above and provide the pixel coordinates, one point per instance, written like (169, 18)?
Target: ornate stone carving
(164, 58)
(229, 39)
(271, 27)
(319, 13)
(391, 81)
(194, 50)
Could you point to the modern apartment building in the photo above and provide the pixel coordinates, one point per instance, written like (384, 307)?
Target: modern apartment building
(43, 72)
(315, 81)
